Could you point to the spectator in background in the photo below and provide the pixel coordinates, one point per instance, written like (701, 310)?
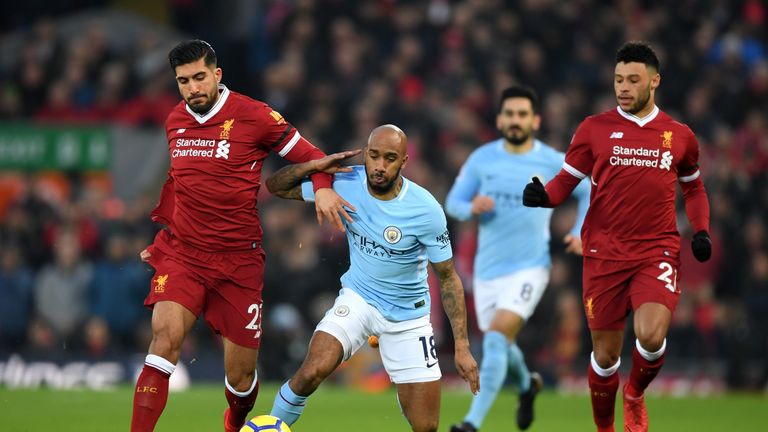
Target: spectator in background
(61, 294)
(15, 297)
(117, 290)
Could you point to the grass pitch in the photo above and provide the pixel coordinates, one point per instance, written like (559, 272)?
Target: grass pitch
(333, 409)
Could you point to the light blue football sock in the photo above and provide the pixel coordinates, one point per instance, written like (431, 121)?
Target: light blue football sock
(493, 372)
(288, 406)
(521, 376)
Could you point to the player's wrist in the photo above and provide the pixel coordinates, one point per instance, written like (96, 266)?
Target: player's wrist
(461, 344)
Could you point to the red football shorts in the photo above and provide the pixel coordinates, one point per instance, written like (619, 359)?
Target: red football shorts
(226, 287)
(613, 288)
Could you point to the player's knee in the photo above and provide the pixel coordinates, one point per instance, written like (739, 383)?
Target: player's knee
(164, 346)
(606, 359)
(651, 339)
(241, 380)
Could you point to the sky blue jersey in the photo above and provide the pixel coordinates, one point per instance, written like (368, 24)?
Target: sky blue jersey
(390, 244)
(511, 237)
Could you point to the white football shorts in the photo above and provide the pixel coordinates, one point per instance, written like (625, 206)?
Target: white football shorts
(519, 292)
(407, 348)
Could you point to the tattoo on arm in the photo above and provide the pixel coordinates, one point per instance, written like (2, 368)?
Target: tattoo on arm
(286, 182)
(452, 294)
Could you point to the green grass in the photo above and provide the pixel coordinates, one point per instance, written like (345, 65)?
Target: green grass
(339, 409)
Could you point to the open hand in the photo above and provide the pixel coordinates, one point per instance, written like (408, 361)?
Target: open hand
(467, 368)
(331, 163)
(330, 206)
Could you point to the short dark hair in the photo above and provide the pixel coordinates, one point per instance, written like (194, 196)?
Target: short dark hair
(520, 91)
(640, 52)
(190, 51)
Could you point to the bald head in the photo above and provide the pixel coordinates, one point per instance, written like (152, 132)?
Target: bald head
(389, 136)
(385, 156)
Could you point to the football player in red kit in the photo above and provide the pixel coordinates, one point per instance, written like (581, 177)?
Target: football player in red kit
(208, 260)
(634, 156)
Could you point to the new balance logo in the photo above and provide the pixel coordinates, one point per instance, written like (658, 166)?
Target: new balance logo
(181, 131)
(223, 150)
(616, 135)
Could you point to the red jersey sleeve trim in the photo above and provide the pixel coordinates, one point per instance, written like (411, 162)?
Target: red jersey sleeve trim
(573, 171)
(690, 178)
(290, 144)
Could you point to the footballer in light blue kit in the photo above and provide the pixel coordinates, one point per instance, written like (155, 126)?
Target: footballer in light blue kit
(394, 228)
(512, 262)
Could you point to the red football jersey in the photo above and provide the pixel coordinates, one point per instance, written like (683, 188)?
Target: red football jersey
(209, 199)
(634, 166)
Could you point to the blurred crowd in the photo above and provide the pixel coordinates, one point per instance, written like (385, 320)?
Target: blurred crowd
(69, 268)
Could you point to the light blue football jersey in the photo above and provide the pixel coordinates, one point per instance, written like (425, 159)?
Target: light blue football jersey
(390, 244)
(511, 237)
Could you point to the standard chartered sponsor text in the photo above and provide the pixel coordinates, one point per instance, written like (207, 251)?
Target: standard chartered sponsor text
(191, 153)
(634, 161)
(206, 151)
(196, 142)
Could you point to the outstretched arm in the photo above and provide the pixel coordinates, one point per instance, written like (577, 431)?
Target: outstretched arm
(452, 294)
(286, 182)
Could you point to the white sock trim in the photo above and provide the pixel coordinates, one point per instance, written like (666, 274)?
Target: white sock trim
(651, 356)
(605, 373)
(245, 393)
(159, 363)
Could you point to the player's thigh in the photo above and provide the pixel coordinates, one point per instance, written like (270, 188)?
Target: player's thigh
(521, 292)
(174, 280)
(606, 294)
(234, 304)
(170, 324)
(420, 403)
(348, 320)
(408, 351)
(656, 282)
(655, 293)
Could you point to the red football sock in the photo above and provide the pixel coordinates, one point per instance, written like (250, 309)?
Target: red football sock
(643, 372)
(603, 392)
(149, 398)
(240, 406)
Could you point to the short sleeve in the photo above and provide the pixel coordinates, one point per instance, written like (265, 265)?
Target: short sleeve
(307, 191)
(274, 131)
(435, 236)
(579, 159)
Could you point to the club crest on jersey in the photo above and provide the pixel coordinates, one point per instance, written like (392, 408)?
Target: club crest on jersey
(667, 137)
(278, 117)
(588, 305)
(226, 128)
(392, 234)
(160, 283)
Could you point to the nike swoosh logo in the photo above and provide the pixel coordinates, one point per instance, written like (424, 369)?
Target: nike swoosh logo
(430, 365)
(592, 179)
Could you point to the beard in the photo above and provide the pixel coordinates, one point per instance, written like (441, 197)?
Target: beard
(205, 106)
(642, 101)
(516, 136)
(383, 188)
